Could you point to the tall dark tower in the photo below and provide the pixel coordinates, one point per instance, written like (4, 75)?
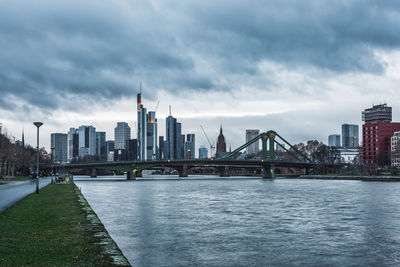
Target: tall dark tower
(141, 128)
(221, 144)
(23, 138)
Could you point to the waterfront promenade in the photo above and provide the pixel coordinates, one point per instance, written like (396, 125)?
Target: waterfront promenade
(14, 191)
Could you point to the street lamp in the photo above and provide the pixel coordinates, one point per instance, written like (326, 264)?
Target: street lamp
(37, 124)
(52, 163)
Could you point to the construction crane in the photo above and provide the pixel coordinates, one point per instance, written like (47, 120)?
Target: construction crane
(211, 145)
(158, 102)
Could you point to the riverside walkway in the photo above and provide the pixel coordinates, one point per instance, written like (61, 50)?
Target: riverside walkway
(13, 192)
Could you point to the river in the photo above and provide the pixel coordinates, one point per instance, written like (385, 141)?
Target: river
(199, 221)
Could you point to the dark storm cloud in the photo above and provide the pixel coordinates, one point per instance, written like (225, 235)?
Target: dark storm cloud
(103, 49)
(334, 35)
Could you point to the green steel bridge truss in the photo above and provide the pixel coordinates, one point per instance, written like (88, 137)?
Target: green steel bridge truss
(268, 139)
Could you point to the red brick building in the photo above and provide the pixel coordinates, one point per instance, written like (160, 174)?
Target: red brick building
(376, 149)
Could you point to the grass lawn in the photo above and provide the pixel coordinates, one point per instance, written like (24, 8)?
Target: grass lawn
(17, 178)
(50, 228)
(22, 178)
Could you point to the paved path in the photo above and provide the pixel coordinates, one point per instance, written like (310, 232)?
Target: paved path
(13, 192)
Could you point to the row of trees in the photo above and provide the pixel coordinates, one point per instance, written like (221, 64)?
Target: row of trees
(319, 152)
(15, 159)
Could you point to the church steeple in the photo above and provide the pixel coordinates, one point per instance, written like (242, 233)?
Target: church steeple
(221, 144)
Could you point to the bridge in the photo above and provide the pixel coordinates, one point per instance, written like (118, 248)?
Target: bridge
(267, 163)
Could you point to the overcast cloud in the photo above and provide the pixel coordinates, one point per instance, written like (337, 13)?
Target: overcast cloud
(300, 67)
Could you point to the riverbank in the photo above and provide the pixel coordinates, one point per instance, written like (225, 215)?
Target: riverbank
(56, 227)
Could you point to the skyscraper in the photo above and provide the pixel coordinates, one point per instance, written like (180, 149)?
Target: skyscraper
(334, 140)
(110, 150)
(59, 147)
(151, 148)
(255, 147)
(142, 128)
(165, 149)
(101, 145)
(131, 149)
(350, 136)
(180, 141)
(171, 136)
(203, 152)
(160, 153)
(73, 143)
(190, 146)
(121, 133)
(175, 140)
(87, 140)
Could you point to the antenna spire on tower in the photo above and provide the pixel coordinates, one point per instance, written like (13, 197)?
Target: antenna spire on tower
(170, 110)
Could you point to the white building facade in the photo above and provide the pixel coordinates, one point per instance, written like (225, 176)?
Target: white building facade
(395, 146)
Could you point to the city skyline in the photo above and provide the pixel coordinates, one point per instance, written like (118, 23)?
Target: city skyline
(275, 80)
(161, 121)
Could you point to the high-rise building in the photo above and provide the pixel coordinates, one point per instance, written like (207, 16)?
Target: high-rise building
(151, 135)
(160, 152)
(110, 146)
(121, 133)
(221, 144)
(73, 144)
(334, 140)
(395, 143)
(59, 147)
(174, 139)
(377, 133)
(350, 136)
(171, 136)
(165, 152)
(141, 128)
(203, 152)
(377, 142)
(180, 141)
(378, 113)
(190, 147)
(87, 140)
(255, 147)
(131, 149)
(101, 145)
(120, 154)
(110, 150)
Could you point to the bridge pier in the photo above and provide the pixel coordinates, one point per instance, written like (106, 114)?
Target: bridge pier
(136, 174)
(182, 172)
(268, 172)
(224, 171)
(93, 174)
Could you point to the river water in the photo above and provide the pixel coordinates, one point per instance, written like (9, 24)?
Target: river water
(250, 222)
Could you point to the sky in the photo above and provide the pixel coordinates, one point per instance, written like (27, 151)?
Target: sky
(301, 68)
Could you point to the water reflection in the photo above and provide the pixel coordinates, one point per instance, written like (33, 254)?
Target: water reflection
(250, 222)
